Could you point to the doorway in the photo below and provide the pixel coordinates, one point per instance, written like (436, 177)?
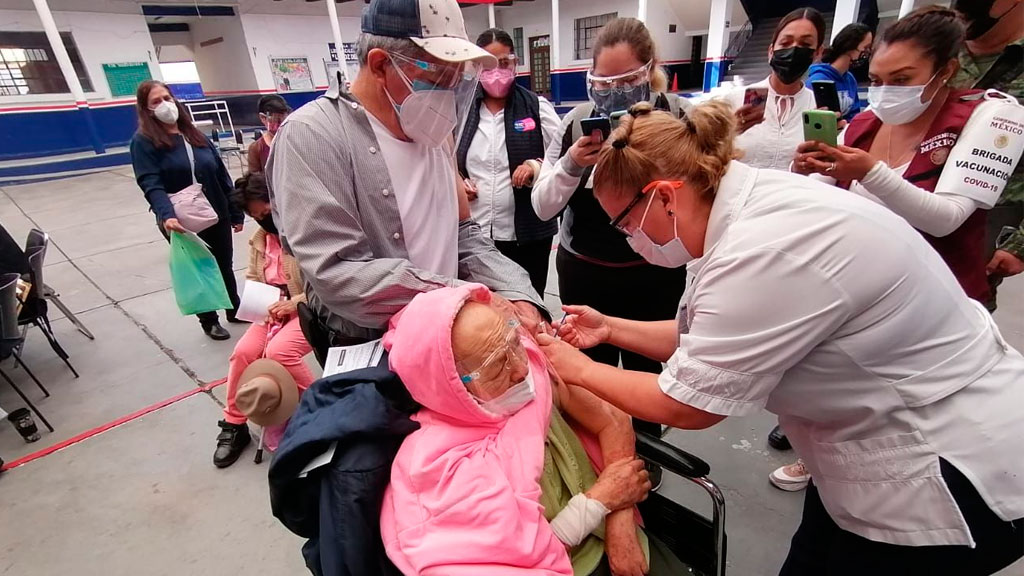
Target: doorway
(540, 65)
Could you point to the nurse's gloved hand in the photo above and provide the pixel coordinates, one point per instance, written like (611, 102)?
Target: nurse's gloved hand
(583, 327)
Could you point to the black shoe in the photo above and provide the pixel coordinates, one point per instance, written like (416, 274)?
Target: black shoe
(777, 439)
(216, 332)
(231, 441)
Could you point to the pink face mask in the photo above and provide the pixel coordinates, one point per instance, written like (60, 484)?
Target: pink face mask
(273, 126)
(497, 81)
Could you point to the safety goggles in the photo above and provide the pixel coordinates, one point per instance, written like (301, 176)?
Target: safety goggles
(617, 221)
(271, 118)
(507, 62)
(508, 354)
(627, 82)
(434, 75)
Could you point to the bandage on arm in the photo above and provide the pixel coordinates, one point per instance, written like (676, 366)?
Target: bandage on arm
(938, 214)
(578, 519)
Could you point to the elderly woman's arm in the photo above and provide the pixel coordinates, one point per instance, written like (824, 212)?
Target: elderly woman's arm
(614, 431)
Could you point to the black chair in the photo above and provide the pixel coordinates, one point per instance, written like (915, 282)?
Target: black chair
(38, 238)
(11, 339)
(34, 309)
(694, 539)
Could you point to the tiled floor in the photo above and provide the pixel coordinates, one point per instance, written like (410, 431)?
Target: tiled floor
(143, 498)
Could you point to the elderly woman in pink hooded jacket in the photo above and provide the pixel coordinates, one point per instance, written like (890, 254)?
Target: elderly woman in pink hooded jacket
(495, 482)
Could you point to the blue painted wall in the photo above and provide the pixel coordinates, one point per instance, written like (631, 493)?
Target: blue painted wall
(54, 132)
(30, 134)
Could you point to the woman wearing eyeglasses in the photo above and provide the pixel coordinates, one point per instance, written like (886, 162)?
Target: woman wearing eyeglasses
(507, 130)
(273, 110)
(829, 310)
(596, 267)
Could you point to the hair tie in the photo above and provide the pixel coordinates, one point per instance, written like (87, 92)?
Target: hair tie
(689, 125)
(639, 109)
(620, 143)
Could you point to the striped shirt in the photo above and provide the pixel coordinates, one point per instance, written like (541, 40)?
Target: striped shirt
(335, 207)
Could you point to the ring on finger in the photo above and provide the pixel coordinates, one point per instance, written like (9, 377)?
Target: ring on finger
(831, 167)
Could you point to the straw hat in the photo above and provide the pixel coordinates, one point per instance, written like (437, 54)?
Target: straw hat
(268, 394)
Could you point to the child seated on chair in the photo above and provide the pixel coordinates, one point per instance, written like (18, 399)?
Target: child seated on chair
(279, 337)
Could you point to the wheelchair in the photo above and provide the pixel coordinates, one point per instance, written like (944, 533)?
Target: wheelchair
(698, 541)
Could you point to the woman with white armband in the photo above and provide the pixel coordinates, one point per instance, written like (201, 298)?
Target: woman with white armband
(937, 157)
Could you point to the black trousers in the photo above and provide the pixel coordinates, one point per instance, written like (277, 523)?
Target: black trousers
(644, 292)
(218, 237)
(532, 256)
(822, 548)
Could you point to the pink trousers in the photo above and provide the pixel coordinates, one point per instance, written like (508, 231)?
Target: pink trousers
(287, 346)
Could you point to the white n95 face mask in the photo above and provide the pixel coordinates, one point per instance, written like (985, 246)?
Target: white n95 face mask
(670, 255)
(428, 115)
(513, 399)
(899, 104)
(166, 112)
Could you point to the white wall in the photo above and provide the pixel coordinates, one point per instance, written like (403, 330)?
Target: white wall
(293, 36)
(100, 38)
(535, 19)
(476, 20)
(173, 46)
(225, 66)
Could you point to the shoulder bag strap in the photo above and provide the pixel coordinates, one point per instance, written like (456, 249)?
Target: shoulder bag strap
(191, 160)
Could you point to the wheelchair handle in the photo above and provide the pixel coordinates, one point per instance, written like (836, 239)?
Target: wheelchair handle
(670, 458)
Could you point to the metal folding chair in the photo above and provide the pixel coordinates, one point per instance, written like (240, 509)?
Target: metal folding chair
(37, 238)
(34, 311)
(11, 338)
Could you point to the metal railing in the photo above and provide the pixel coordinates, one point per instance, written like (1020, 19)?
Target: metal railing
(739, 40)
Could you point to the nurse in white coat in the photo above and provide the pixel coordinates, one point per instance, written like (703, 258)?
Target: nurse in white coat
(898, 391)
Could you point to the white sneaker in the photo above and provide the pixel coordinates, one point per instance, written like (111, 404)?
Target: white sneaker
(791, 478)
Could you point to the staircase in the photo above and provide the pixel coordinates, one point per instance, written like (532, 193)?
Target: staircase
(752, 62)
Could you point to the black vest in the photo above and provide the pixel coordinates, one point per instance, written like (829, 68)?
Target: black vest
(522, 145)
(590, 231)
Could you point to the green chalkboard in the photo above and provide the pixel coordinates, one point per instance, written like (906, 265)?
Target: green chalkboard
(124, 77)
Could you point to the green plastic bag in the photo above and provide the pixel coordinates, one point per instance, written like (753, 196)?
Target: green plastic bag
(198, 284)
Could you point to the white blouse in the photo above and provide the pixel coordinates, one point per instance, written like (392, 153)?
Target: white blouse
(830, 311)
(773, 142)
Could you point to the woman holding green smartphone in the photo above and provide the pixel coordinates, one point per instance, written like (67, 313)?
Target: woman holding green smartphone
(933, 155)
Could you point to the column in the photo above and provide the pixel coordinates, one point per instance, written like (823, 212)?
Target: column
(554, 49)
(846, 14)
(339, 47)
(718, 41)
(68, 70)
(490, 16)
(908, 6)
(641, 11)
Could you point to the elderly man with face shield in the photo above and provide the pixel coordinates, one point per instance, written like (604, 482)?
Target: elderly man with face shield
(364, 185)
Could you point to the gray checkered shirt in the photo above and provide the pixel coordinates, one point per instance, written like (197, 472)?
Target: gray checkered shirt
(332, 202)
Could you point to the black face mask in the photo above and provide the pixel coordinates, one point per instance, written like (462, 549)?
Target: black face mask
(976, 13)
(267, 223)
(789, 64)
(862, 60)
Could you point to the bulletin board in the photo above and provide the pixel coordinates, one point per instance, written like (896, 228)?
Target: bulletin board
(124, 77)
(291, 74)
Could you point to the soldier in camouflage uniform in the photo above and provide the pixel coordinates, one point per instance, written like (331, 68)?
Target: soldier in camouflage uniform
(993, 57)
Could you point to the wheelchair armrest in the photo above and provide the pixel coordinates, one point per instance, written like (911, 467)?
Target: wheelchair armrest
(669, 457)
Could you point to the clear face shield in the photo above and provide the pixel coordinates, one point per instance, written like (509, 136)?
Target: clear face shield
(437, 99)
(617, 93)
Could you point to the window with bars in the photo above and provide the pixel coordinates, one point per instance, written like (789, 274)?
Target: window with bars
(586, 30)
(28, 65)
(517, 41)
